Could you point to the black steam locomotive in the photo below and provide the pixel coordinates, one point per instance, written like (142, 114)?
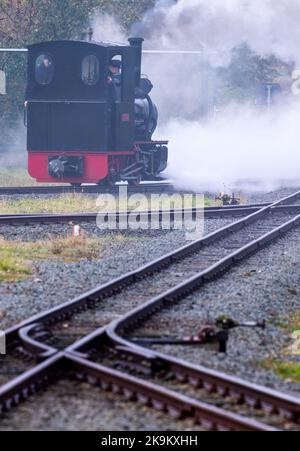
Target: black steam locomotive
(89, 115)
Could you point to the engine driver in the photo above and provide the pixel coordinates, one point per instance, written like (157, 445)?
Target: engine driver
(114, 80)
(114, 72)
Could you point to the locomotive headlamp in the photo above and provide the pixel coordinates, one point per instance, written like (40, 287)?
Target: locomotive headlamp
(56, 168)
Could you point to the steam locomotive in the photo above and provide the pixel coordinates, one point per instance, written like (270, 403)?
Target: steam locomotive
(89, 123)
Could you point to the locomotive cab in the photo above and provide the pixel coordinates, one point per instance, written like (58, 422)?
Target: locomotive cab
(81, 121)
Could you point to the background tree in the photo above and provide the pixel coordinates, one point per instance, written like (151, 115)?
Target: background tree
(246, 71)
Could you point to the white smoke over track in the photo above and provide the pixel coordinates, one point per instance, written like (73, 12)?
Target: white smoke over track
(241, 142)
(13, 150)
(237, 146)
(269, 26)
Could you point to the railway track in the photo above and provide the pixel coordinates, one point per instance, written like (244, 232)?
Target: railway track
(209, 212)
(146, 187)
(74, 350)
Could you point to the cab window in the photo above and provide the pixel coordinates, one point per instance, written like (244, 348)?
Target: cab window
(90, 70)
(44, 69)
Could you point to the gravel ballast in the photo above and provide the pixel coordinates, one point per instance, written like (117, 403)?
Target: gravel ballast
(265, 286)
(72, 406)
(55, 282)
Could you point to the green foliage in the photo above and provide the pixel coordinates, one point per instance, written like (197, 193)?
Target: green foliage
(24, 22)
(16, 256)
(245, 71)
(127, 12)
(287, 370)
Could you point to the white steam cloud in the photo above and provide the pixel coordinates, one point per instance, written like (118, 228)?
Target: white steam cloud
(13, 148)
(236, 147)
(269, 26)
(240, 142)
(107, 29)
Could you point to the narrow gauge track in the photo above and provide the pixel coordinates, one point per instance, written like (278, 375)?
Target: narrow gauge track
(209, 212)
(147, 187)
(211, 256)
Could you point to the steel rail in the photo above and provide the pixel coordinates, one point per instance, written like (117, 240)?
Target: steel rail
(102, 291)
(145, 215)
(11, 391)
(28, 383)
(207, 208)
(138, 315)
(166, 400)
(64, 364)
(119, 217)
(250, 394)
(86, 189)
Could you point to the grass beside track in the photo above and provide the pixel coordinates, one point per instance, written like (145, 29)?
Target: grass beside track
(82, 203)
(63, 203)
(287, 364)
(286, 370)
(17, 257)
(17, 177)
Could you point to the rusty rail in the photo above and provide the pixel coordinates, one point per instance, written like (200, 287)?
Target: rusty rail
(85, 189)
(207, 212)
(75, 358)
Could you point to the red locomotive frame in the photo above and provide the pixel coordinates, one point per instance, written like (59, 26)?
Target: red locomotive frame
(97, 165)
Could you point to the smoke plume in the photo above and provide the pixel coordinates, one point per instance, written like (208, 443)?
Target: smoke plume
(239, 141)
(107, 29)
(13, 147)
(240, 146)
(269, 26)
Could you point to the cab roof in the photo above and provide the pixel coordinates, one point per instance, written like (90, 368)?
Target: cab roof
(73, 42)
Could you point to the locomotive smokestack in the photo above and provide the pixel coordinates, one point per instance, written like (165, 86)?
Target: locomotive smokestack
(138, 44)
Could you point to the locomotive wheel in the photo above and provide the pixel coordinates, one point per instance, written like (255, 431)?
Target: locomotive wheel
(106, 183)
(111, 182)
(135, 182)
(102, 183)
